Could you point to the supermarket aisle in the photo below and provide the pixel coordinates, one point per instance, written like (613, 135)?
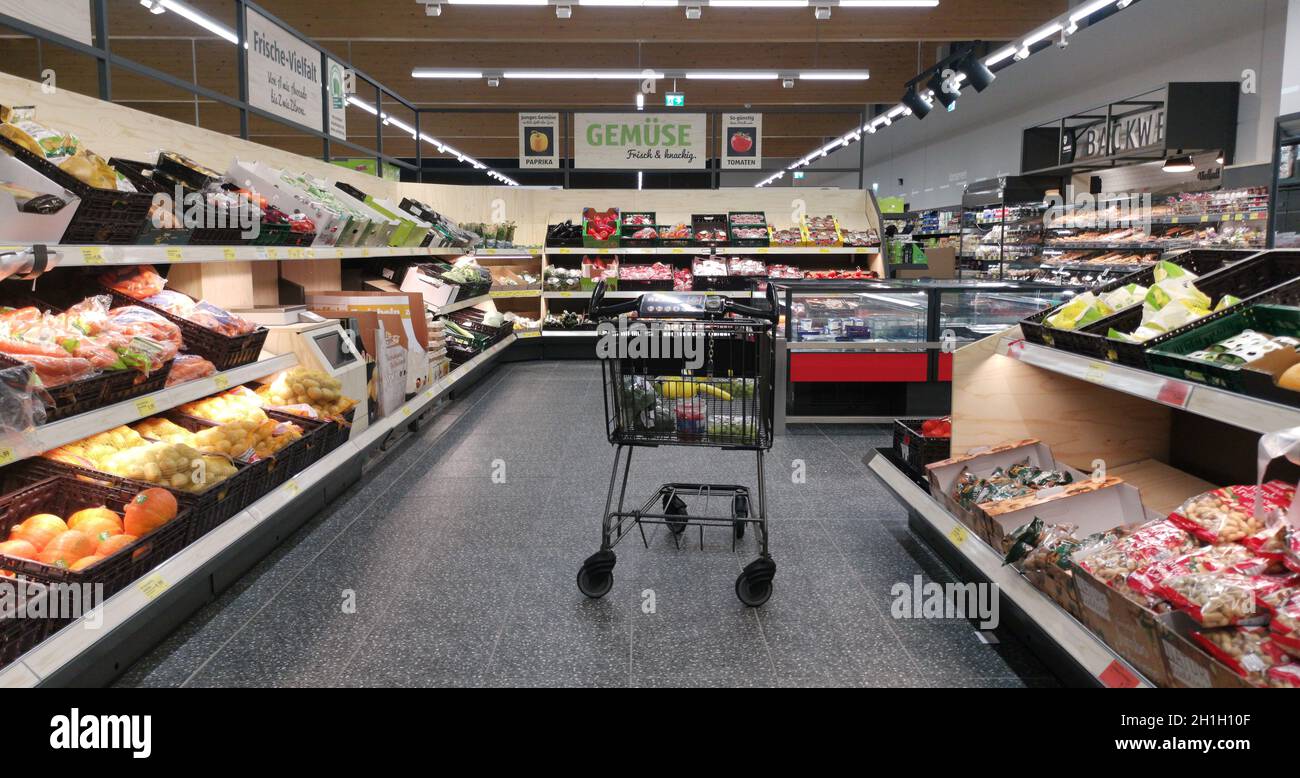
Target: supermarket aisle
(461, 580)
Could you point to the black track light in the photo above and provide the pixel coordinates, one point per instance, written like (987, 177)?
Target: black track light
(977, 73)
(936, 85)
(919, 106)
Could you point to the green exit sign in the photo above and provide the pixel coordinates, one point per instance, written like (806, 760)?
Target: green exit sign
(675, 100)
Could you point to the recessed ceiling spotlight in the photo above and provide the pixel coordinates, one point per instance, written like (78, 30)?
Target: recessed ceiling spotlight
(822, 13)
(563, 12)
(693, 12)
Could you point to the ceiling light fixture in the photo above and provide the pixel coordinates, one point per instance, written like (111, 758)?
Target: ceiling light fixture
(758, 3)
(822, 13)
(835, 75)
(693, 12)
(631, 3)
(563, 12)
(1179, 164)
(918, 104)
(439, 73)
(600, 75)
(977, 73)
(944, 92)
(889, 3)
(640, 101)
(730, 75)
(188, 13)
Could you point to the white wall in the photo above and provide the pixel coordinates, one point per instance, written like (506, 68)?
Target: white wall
(1141, 48)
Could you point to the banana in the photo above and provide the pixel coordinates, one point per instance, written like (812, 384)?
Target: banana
(674, 389)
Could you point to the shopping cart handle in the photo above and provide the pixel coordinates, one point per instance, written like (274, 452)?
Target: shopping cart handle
(598, 309)
(770, 311)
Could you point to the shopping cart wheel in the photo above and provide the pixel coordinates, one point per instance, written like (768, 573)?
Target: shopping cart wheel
(675, 506)
(596, 576)
(740, 508)
(754, 586)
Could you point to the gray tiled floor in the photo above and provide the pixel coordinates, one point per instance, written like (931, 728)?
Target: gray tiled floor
(463, 581)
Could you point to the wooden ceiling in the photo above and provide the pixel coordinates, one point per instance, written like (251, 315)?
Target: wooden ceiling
(386, 39)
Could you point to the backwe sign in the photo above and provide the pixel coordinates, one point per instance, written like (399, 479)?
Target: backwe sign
(1136, 132)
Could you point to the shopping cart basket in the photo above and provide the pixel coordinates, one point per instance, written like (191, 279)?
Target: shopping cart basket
(689, 370)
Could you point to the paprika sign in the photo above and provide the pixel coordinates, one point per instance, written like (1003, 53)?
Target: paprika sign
(742, 141)
(539, 141)
(640, 141)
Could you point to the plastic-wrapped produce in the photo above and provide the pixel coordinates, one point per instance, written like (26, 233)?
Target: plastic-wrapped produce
(189, 367)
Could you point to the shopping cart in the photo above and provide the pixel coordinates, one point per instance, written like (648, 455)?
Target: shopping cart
(689, 370)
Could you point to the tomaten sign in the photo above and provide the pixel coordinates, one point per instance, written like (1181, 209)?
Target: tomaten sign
(640, 141)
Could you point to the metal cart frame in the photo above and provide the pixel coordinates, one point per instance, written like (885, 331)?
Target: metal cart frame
(735, 374)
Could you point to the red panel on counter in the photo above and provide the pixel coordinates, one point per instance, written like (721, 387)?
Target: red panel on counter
(945, 366)
(859, 368)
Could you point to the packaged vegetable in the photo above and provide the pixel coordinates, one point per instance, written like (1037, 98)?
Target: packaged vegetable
(136, 281)
(170, 464)
(189, 367)
(300, 386)
(1125, 296)
(1220, 599)
(1227, 515)
(1079, 312)
(236, 404)
(1249, 651)
(1111, 562)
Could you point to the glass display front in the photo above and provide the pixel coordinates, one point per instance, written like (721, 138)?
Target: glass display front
(885, 314)
(973, 314)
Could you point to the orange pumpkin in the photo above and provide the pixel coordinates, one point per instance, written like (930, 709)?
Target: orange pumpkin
(148, 511)
(39, 530)
(21, 549)
(98, 516)
(68, 547)
(112, 545)
(86, 561)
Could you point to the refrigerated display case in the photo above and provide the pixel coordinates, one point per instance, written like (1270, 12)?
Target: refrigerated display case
(1002, 225)
(856, 352)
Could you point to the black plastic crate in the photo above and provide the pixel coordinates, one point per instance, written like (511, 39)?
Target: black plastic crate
(916, 450)
(1201, 262)
(104, 217)
(1261, 273)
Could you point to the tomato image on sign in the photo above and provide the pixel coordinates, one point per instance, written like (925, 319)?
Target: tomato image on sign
(742, 142)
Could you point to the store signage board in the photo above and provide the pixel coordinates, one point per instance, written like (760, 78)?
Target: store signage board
(742, 141)
(69, 18)
(1123, 135)
(539, 141)
(640, 141)
(336, 74)
(675, 100)
(284, 72)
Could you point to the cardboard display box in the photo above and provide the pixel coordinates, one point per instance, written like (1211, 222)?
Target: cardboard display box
(22, 227)
(1129, 629)
(1188, 665)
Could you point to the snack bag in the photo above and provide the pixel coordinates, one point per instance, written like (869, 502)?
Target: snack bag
(1229, 557)
(1125, 297)
(1111, 562)
(1079, 312)
(1227, 515)
(1286, 622)
(1284, 676)
(1220, 599)
(1249, 651)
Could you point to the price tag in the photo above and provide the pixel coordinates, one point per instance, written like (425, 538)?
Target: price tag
(152, 585)
(292, 488)
(6, 455)
(529, 333)
(824, 250)
(92, 255)
(145, 406)
(1174, 220)
(228, 253)
(365, 252)
(1257, 216)
(175, 255)
(221, 382)
(765, 251)
(338, 253)
(563, 251)
(958, 535)
(1241, 217)
(296, 253)
(1118, 676)
(1205, 219)
(311, 253)
(1096, 372)
(679, 251)
(1174, 393)
(566, 294)
(406, 410)
(272, 253)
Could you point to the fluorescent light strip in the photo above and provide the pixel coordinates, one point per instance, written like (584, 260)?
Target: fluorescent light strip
(496, 2)
(730, 75)
(626, 75)
(442, 147)
(436, 73)
(202, 20)
(758, 4)
(1089, 9)
(1001, 56)
(1043, 34)
(835, 75)
(889, 3)
(631, 3)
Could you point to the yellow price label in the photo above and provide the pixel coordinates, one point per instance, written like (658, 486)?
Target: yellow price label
(152, 585)
(338, 253)
(529, 333)
(1205, 219)
(291, 487)
(228, 254)
(1096, 372)
(92, 255)
(1174, 220)
(1241, 217)
(566, 294)
(365, 252)
(765, 251)
(296, 253)
(145, 406)
(175, 255)
(272, 253)
(6, 455)
(311, 253)
(679, 251)
(221, 382)
(824, 250)
(958, 535)
(406, 410)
